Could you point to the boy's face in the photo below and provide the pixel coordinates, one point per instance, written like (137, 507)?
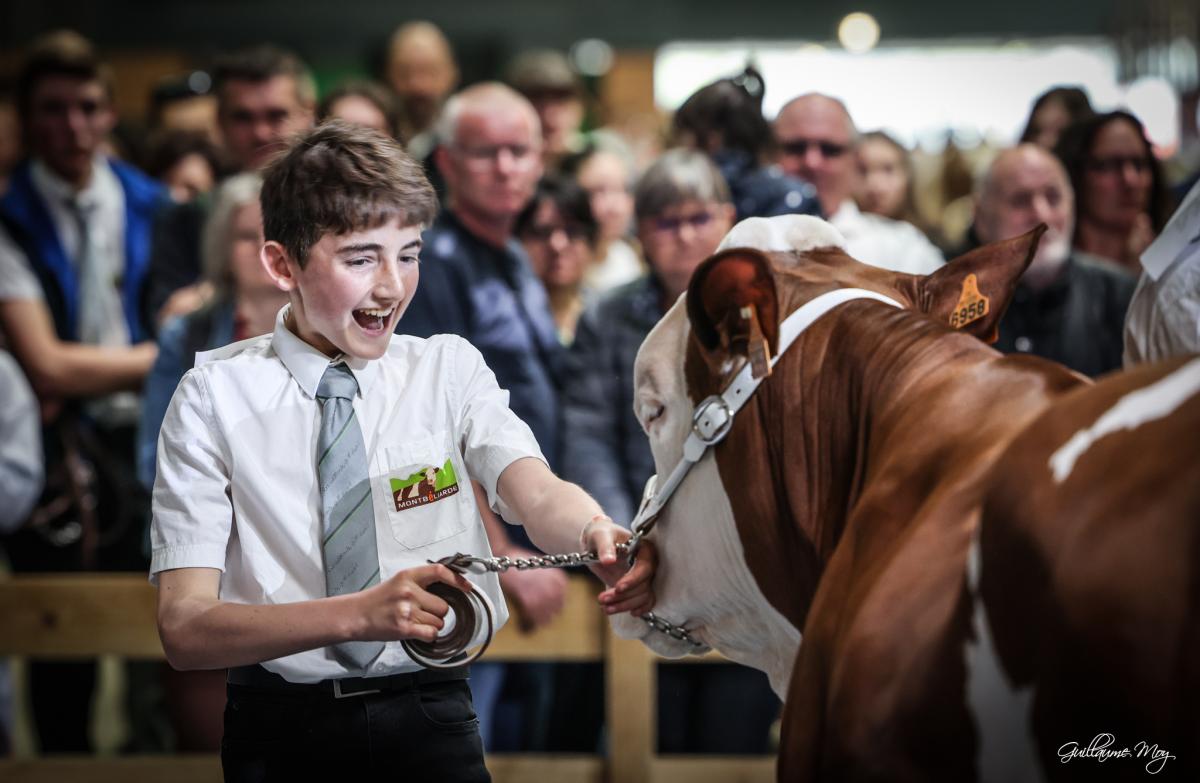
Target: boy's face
(354, 288)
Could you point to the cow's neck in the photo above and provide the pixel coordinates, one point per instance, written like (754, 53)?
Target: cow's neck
(872, 406)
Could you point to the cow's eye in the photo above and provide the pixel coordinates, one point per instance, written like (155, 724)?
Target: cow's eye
(652, 414)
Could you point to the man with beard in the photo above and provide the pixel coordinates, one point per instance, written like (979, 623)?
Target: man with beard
(1068, 306)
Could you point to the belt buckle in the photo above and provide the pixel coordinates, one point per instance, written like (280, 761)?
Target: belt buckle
(338, 694)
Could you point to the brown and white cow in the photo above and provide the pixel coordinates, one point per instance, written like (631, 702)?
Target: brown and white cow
(885, 451)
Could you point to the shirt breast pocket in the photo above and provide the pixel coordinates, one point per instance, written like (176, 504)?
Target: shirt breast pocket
(424, 488)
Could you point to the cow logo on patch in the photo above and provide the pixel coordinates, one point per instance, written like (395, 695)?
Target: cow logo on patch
(972, 305)
(428, 485)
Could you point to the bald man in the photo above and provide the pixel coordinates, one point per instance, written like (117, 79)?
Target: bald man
(421, 71)
(1068, 307)
(816, 140)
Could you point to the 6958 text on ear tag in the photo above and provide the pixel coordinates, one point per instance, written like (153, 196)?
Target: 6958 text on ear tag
(972, 304)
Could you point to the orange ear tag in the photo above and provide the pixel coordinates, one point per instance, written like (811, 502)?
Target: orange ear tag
(972, 305)
(756, 345)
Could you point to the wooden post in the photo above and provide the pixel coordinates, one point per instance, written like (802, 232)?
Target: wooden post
(631, 698)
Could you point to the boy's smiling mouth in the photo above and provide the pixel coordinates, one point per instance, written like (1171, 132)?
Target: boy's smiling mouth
(373, 319)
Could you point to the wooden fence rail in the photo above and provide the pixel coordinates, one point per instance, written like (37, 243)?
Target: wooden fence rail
(73, 616)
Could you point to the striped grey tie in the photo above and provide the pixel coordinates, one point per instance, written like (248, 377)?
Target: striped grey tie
(347, 513)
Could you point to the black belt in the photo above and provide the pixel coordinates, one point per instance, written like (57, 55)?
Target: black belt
(258, 677)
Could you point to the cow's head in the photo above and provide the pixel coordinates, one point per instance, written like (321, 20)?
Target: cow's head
(711, 576)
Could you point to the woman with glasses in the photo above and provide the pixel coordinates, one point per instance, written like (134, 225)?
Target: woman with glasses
(560, 234)
(1121, 199)
(682, 209)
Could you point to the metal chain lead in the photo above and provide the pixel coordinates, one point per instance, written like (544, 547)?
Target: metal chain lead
(461, 562)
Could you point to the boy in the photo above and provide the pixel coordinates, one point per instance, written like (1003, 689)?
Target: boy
(286, 532)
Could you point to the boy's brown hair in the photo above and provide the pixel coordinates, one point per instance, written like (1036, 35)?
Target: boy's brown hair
(337, 179)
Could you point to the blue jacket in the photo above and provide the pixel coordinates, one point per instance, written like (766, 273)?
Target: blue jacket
(28, 220)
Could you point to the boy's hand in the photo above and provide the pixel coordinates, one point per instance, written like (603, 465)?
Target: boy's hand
(401, 607)
(630, 589)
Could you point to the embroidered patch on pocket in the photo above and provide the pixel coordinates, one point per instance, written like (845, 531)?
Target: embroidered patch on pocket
(428, 485)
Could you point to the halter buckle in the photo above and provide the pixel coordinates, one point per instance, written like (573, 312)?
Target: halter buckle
(712, 420)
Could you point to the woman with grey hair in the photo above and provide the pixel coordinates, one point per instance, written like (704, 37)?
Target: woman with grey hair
(243, 303)
(682, 209)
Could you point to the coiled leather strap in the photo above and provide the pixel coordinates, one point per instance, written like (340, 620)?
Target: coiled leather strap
(449, 650)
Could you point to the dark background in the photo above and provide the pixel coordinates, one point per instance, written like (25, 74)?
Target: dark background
(350, 34)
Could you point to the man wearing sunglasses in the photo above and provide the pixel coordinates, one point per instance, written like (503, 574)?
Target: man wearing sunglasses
(816, 140)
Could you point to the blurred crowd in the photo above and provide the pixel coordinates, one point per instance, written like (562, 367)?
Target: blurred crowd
(127, 245)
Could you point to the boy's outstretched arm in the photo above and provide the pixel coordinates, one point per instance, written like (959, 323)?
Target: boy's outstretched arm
(200, 631)
(561, 517)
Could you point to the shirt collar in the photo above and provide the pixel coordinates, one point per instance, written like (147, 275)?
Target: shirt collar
(1177, 239)
(56, 189)
(307, 365)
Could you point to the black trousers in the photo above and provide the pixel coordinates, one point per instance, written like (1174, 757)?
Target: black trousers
(426, 732)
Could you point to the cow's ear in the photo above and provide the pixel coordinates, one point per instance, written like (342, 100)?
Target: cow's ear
(733, 310)
(973, 291)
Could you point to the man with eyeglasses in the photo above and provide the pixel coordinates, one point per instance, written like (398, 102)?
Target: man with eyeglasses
(476, 282)
(1069, 306)
(816, 137)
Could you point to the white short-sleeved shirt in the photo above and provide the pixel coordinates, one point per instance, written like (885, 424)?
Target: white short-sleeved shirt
(886, 243)
(237, 488)
(1163, 319)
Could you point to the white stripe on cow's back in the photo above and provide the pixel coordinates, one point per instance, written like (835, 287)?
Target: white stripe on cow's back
(1149, 403)
(1005, 753)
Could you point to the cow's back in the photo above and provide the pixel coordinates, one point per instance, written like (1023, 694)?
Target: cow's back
(1090, 569)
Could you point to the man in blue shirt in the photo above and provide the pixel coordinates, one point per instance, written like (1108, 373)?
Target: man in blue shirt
(477, 279)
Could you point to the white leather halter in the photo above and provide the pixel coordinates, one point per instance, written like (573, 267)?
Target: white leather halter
(713, 417)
